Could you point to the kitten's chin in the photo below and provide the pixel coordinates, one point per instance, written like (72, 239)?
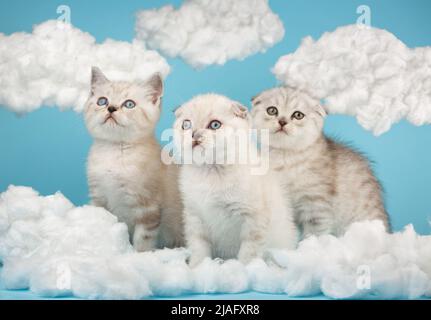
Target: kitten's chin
(114, 133)
(285, 141)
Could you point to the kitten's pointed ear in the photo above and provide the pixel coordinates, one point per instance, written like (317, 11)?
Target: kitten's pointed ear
(239, 110)
(155, 85)
(97, 77)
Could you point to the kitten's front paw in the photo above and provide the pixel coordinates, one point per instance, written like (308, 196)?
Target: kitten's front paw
(142, 246)
(195, 260)
(142, 242)
(247, 254)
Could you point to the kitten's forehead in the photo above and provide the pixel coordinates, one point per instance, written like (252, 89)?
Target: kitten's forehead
(207, 106)
(120, 91)
(285, 98)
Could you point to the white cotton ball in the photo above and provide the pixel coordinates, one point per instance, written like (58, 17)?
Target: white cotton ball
(341, 284)
(176, 254)
(266, 278)
(366, 238)
(210, 32)
(206, 276)
(92, 278)
(52, 66)
(20, 203)
(55, 249)
(364, 72)
(176, 278)
(213, 276)
(392, 280)
(15, 274)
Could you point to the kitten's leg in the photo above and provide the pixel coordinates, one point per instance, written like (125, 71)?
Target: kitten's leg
(99, 202)
(253, 236)
(97, 199)
(146, 229)
(317, 220)
(196, 238)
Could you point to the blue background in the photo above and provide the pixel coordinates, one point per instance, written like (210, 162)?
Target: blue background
(47, 149)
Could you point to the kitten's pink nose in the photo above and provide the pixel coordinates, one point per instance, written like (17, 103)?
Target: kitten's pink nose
(112, 109)
(196, 135)
(282, 122)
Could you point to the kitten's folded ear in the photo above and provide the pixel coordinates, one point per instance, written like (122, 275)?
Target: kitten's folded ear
(155, 86)
(321, 110)
(255, 100)
(97, 77)
(177, 111)
(239, 110)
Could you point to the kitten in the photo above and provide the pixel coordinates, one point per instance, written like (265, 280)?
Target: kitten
(125, 172)
(330, 185)
(229, 212)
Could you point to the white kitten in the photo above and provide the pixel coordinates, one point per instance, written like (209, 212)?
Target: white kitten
(229, 212)
(125, 173)
(329, 185)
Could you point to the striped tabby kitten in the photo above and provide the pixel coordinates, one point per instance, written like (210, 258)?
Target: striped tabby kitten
(330, 185)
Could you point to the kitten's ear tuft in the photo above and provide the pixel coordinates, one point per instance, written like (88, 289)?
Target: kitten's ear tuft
(155, 85)
(97, 77)
(321, 111)
(239, 110)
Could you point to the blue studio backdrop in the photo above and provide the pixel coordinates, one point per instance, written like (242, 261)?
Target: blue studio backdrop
(47, 149)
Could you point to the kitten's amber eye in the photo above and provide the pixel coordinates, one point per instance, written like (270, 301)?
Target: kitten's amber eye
(272, 111)
(102, 101)
(214, 125)
(129, 104)
(298, 115)
(187, 124)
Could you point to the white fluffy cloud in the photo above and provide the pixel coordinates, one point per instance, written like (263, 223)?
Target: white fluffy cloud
(52, 65)
(54, 248)
(205, 32)
(365, 72)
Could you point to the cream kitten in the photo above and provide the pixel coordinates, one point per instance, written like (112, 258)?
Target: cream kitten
(329, 184)
(125, 173)
(229, 212)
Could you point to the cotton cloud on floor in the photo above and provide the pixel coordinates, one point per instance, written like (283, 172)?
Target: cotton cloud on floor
(52, 65)
(56, 249)
(365, 72)
(205, 32)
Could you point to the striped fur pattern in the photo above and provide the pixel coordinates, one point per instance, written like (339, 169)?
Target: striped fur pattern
(329, 184)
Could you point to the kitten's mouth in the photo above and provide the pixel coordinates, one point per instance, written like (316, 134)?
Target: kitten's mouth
(195, 143)
(281, 130)
(108, 118)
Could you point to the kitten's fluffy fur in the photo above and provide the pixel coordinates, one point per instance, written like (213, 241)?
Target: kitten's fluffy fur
(228, 212)
(125, 173)
(329, 184)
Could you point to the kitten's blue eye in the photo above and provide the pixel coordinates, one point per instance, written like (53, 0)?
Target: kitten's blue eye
(130, 104)
(272, 111)
(214, 125)
(187, 124)
(298, 115)
(102, 101)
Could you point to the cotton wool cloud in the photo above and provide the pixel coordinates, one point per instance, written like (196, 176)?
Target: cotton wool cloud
(55, 249)
(52, 65)
(206, 32)
(365, 72)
